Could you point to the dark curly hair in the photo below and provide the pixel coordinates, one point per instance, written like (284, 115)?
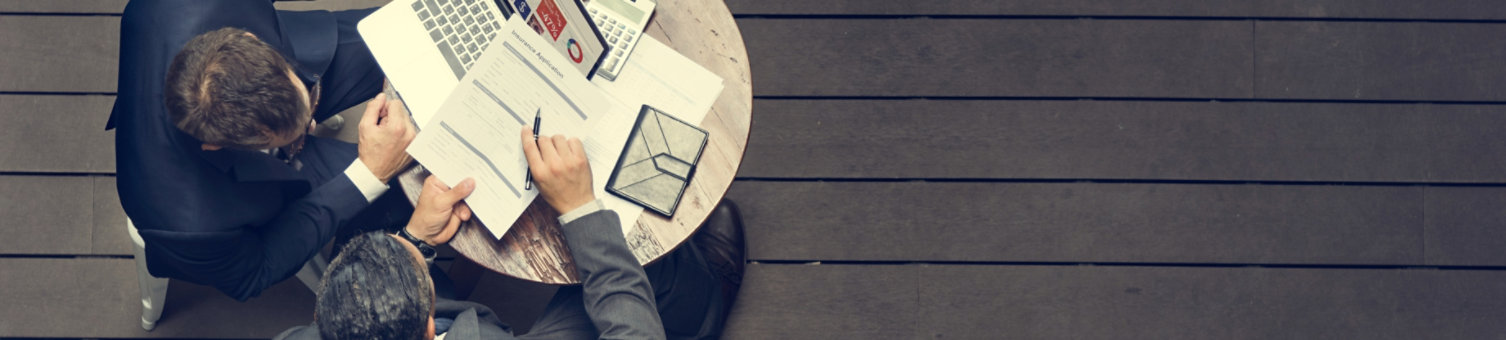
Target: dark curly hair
(375, 289)
(228, 88)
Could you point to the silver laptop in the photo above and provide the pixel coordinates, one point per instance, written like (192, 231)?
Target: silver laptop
(426, 46)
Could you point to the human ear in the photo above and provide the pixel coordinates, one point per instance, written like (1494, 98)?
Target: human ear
(429, 334)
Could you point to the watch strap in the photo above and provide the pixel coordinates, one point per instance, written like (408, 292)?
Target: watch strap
(423, 247)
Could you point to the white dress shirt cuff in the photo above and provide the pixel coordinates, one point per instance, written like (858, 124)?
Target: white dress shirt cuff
(365, 181)
(583, 210)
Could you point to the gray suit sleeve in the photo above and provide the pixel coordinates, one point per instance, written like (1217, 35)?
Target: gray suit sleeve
(618, 297)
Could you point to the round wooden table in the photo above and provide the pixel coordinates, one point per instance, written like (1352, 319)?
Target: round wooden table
(535, 250)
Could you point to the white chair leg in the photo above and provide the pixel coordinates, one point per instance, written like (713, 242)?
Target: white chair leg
(153, 289)
(313, 272)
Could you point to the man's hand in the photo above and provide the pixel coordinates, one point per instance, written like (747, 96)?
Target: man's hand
(383, 138)
(560, 170)
(440, 211)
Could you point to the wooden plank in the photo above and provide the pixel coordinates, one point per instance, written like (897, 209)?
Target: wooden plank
(1081, 222)
(1466, 226)
(1466, 146)
(1346, 9)
(98, 298)
(109, 236)
(1069, 302)
(63, 6)
(1385, 9)
(1088, 302)
(115, 7)
(46, 214)
(825, 302)
(59, 53)
(1157, 8)
(1125, 140)
(1380, 61)
(331, 5)
(56, 133)
(1072, 58)
(978, 57)
(1091, 140)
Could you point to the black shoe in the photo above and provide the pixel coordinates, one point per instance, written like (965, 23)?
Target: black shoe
(721, 244)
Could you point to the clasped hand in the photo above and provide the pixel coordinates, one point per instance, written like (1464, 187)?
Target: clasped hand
(384, 135)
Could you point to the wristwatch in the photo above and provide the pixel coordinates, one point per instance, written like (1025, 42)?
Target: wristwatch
(423, 247)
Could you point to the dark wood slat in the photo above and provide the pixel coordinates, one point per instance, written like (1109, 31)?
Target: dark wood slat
(63, 6)
(118, 6)
(1197, 8)
(1466, 226)
(1081, 222)
(1077, 302)
(56, 133)
(46, 215)
(98, 298)
(333, 5)
(979, 57)
(59, 53)
(110, 236)
(825, 302)
(1348, 9)
(1466, 143)
(1064, 302)
(927, 57)
(1126, 140)
(1385, 9)
(1368, 60)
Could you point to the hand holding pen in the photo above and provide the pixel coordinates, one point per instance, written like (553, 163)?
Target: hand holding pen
(560, 166)
(528, 182)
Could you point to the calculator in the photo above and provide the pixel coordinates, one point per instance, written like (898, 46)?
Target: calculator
(621, 22)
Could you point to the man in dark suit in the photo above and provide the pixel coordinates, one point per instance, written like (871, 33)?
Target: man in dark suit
(215, 167)
(378, 287)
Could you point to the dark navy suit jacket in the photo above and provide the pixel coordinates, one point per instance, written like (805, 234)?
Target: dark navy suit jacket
(239, 221)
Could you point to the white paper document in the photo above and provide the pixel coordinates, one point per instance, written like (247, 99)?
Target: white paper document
(476, 132)
(658, 76)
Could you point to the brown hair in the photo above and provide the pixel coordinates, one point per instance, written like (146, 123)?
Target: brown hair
(228, 88)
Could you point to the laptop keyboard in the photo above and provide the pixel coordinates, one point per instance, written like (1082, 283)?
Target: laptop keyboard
(461, 30)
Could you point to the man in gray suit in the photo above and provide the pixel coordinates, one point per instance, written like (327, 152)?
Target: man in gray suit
(379, 287)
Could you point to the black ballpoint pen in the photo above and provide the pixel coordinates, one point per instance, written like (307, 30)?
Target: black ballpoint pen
(528, 182)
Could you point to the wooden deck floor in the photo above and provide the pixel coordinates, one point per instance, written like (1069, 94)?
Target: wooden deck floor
(1084, 169)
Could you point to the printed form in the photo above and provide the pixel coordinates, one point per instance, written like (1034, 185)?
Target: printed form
(475, 133)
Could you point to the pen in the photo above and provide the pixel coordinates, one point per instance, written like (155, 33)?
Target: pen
(528, 182)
